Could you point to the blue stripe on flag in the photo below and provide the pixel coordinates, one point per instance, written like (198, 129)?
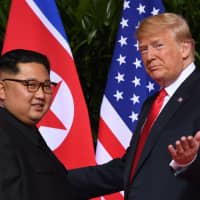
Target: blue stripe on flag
(49, 9)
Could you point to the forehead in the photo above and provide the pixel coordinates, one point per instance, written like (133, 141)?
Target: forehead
(31, 67)
(160, 36)
(30, 70)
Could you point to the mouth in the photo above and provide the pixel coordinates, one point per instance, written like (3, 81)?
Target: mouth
(153, 67)
(38, 106)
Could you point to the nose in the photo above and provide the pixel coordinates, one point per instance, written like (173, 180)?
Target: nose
(150, 53)
(40, 93)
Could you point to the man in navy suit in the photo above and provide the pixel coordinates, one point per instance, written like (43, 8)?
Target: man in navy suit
(167, 50)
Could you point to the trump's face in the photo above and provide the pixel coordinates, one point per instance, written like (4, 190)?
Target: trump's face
(163, 56)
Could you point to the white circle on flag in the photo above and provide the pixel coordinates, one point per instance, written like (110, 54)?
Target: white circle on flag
(63, 108)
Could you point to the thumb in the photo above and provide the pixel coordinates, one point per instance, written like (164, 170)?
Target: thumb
(197, 136)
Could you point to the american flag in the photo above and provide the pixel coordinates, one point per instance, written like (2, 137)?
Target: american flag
(128, 85)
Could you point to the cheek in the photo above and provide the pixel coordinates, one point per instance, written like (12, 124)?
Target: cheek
(48, 101)
(144, 59)
(175, 62)
(15, 97)
(25, 97)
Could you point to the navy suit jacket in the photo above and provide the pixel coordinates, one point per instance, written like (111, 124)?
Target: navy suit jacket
(28, 168)
(154, 179)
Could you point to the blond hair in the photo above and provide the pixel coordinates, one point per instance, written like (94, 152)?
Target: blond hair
(165, 21)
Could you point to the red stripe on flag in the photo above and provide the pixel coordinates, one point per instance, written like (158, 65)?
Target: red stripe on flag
(109, 141)
(114, 196)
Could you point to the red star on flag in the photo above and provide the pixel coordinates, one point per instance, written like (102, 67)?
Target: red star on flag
(50, 119)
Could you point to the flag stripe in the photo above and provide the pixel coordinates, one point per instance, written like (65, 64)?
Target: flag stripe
(115, 123)
(111, 143)
(115, 196)
(104, 156)
(36, 10)
(51, 12)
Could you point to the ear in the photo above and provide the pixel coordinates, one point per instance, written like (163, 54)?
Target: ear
(187, 49)
(2, 90)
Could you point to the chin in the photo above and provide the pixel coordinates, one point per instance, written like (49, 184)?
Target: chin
(157, 77)
(35, 118)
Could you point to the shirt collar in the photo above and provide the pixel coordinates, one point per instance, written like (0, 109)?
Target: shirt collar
(171, 89)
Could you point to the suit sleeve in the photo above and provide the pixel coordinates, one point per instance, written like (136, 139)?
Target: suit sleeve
(10, 185)
(192, 172)
(97, 180)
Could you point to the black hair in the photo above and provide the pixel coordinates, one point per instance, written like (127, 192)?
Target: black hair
(9, 60)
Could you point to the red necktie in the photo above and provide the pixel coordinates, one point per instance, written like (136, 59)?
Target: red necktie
(155, 109)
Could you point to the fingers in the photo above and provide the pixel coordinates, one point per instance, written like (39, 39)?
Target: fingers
(188, 142)
(185, 144)
(197, 136)
(185, 149)
(182, 144)
(172, 150)
(191, 142)
(179, 148)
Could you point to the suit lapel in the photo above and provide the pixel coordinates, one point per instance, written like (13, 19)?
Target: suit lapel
(33, 135)
(134, 140)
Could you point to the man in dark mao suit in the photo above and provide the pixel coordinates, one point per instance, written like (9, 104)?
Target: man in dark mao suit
(28, 169)
(167, 50)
